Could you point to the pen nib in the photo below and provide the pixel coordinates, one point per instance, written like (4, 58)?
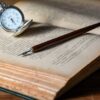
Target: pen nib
(26, 53)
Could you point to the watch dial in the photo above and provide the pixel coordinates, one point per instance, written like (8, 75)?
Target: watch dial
(12, 19)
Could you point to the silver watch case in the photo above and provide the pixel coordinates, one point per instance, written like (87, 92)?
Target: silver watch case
(21, 29)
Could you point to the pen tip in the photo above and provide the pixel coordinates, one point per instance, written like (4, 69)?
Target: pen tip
(27, 53)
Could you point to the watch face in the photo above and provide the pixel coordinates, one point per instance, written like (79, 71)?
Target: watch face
(12, 19)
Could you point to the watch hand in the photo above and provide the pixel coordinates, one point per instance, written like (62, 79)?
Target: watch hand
(13, 21)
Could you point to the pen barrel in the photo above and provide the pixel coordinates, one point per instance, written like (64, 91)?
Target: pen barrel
(64, 38)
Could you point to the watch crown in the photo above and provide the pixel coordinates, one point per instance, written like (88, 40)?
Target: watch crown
(3, 6)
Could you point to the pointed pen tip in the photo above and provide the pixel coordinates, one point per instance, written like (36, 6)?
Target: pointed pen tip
(26, 53)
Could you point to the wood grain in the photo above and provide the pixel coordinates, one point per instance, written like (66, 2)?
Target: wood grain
(43, 86)
(24, 80)
(10, 1)
(89, 89)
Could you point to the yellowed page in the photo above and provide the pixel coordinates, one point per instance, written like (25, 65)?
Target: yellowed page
(72, 14)
(66, 59)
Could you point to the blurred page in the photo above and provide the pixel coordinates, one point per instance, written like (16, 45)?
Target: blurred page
(72, 14)
(66, 59)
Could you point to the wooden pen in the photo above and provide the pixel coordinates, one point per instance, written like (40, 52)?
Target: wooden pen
(59, 40)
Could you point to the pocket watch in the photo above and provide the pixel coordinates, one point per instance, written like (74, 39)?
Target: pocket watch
(12, 19)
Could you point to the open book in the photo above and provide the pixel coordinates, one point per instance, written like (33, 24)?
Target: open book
(48, 74)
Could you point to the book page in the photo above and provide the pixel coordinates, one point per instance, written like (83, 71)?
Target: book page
(66, 59)
(72, 14)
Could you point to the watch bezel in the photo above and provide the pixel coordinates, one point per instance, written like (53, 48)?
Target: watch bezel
(23, 19)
